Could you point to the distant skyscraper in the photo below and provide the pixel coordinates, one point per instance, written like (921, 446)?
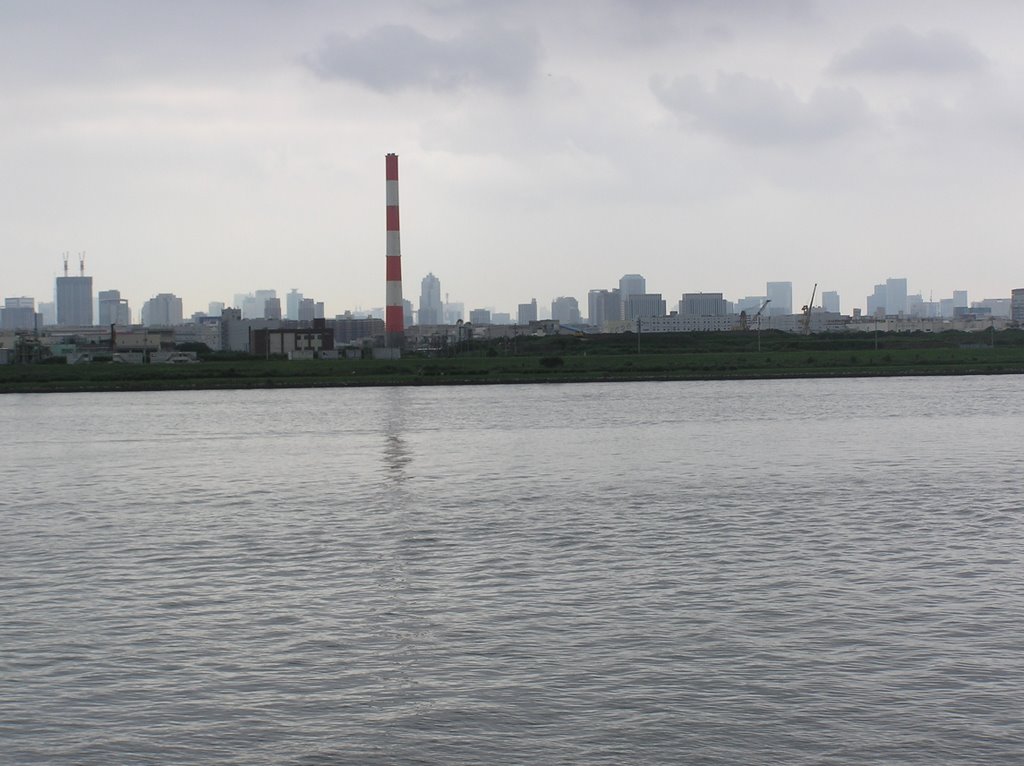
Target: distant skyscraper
(751, 304)
(292, 304)
(830, 301)
(19, 315)
(703, 305)
(895, 296)
(431, 310)
(960, 299)
(48, 310)
(215, 308)
(113, 309)
(163, 310)
(453, 312)
(603, 306)
(272, 308)
(566, 310)
(1017, 305)
(644, 305)
(630, 284)
(478, 317)
(307, 310)
(876, 301)
(527, 313)
(74, 297)
(781, 296)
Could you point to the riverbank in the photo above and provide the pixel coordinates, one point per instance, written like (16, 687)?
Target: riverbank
(513, 369)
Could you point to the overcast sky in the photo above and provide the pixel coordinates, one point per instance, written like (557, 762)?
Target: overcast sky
(546, 148)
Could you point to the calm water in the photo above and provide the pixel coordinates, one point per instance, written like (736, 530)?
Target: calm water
(799, 572)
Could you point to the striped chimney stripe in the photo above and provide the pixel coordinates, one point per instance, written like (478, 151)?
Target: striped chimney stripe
(394, 317)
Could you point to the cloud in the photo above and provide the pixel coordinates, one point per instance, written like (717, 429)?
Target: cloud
(898, 49)
(395, 57)
(759, 111)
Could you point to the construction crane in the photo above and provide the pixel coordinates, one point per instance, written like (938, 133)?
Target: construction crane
(746, 322)
(807, 311)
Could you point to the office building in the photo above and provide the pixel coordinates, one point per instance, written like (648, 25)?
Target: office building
(162, 310)
(479, 317)
(644, 305)
(603, 306)
(113, 309)
(830, 301)
(781, 296)
(702, 305)
(74, 301)
(630, 284)
(566, 310)
(431, 309)
(19, 315)
(527, 312)
(896, 296)
(453, 312)
(291, 304)
(1017, 305)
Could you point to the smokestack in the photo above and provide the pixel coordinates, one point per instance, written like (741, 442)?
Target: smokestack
(394, 318)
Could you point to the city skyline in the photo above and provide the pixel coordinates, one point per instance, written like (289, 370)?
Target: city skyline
(629, 301)
(545, 150)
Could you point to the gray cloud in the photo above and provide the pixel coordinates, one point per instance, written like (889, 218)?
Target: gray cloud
(393, 57)
(898, 49)
(759, 111)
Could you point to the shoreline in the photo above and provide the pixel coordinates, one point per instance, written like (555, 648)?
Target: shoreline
(157, 384)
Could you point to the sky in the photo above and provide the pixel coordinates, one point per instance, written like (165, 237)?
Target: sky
(546, 148)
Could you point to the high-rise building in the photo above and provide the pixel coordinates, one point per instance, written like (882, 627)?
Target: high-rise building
(453, 312)
(527, 313)
(431, 310)
(603, 306)
(163, 310)
(19, 315)
(113, 309)
(478, 317)
(630, 284)
(74, 297)
(48, 310)
(644, 305)
(215, 308)
(703, 305)
(959, 299)
(830, 301)
(566, 310)
(307, 310)
(751, 304)
(272, 308)
(781, 296)
(1017, 305)
(895, 296)
(292, 304)
(876, 301)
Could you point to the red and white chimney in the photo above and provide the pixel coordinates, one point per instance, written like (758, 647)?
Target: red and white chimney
(394, 319)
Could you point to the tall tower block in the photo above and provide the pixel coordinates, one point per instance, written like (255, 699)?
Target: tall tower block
(394, 322)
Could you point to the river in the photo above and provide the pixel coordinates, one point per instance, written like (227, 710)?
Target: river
(799, 572)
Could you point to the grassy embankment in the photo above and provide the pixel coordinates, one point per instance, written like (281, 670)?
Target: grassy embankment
(696, 356)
